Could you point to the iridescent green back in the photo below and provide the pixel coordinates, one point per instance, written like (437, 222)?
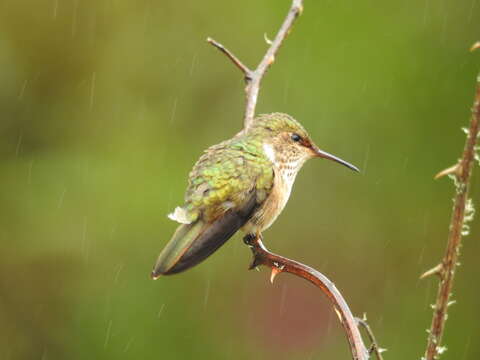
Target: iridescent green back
(226, 173)
(225, 176)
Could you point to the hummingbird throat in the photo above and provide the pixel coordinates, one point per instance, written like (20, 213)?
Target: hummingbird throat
(287, 165)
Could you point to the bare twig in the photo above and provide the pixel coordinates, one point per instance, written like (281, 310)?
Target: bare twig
(278, 264)
(461, 208)
(374, 348)
(253, 78)
(246, 71)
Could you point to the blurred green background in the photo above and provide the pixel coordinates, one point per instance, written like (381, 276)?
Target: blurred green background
(106, 105)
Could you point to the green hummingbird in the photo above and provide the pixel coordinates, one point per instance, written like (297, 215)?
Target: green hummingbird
(242, 183)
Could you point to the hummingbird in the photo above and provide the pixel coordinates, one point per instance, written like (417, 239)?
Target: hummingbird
(243, 184)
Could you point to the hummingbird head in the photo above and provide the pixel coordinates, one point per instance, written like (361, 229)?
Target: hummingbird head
(287, 144)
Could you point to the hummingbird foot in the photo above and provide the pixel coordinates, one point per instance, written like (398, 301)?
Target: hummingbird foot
(249, 239)
(253, 241)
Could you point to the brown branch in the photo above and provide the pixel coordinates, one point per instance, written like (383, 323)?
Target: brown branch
(253, 78)
(446, 270)
(262, 256)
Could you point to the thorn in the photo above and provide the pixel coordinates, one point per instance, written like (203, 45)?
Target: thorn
(455, 169)
(255, 263)
(271, 60)
(275, 272)
(475, 46)
(338, 314)
(437, 270)
(267, 40)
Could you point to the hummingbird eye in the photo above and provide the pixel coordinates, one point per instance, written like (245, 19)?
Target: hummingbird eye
(296, 137)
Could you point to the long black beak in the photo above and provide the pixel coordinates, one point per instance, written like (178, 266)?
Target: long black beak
(325, 155)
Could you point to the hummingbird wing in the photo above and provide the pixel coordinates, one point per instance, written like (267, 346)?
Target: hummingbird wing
(226, 185)
(192, 243)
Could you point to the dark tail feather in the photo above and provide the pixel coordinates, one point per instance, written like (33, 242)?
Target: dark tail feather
(193, 243)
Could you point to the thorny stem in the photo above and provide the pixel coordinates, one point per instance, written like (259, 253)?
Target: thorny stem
(253, 78)
(262, 256)
(449, 262)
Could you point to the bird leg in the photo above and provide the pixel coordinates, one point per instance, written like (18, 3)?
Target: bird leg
(249, 239)
(252, 241)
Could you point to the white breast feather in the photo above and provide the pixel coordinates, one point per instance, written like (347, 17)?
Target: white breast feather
(289, 173)
(269, 152)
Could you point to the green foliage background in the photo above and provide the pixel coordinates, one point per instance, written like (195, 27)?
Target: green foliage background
(104, 107)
